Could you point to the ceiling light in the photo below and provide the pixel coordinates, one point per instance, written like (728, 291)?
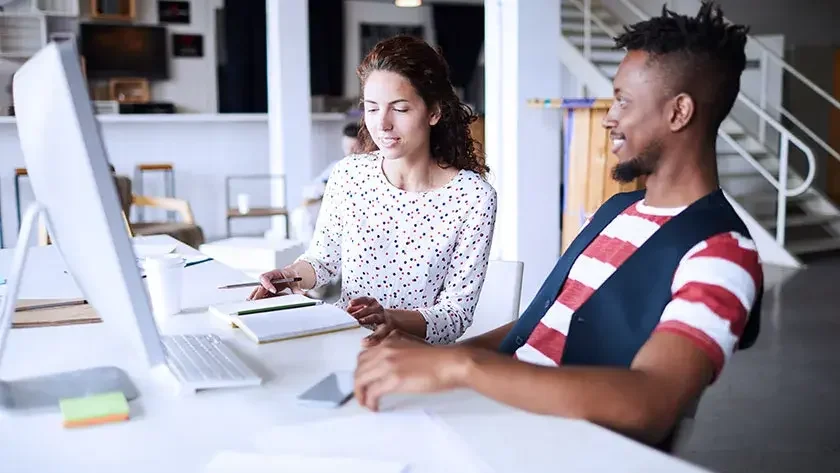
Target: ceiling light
(408, 3)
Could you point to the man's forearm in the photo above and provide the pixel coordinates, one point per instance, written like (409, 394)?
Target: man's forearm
(489, 340)
(619, 399)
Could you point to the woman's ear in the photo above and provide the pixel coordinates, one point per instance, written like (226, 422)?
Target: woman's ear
(434, 117)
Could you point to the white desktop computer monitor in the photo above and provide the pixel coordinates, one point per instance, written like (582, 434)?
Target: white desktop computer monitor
(73, 186)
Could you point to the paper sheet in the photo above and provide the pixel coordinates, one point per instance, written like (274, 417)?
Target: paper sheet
(145, 250)
(424, 442)
(236, 462)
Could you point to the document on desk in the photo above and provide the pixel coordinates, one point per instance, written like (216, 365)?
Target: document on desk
(236, 462)
(147, 250)
(272, 320)
(32, 313)
(422, 441)
(50, 316)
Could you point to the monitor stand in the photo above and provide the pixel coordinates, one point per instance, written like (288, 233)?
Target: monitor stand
(45, 391)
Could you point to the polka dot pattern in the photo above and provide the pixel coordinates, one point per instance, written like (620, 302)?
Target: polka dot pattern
(424, 251)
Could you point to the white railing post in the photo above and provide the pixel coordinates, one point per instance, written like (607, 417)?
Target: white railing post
(587, 29)
(762, 99)
(781, 210)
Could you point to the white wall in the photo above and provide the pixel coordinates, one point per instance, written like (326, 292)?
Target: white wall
(357, 12)
(203, 152)
(192, 85)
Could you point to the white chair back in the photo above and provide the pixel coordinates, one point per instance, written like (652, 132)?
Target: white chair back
(498, 303)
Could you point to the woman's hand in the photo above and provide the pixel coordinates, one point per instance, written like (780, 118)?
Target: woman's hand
(269, 289)
(368, 311)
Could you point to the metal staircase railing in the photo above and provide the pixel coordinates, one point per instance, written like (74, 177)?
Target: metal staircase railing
(767, 55)
(786, 138)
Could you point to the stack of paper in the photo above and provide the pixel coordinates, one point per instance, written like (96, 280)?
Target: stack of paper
(146, 250)
(51, 312)
(417, 439)
(236, 462)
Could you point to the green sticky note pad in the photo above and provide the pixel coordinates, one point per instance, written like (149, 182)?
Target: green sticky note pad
(96, 409)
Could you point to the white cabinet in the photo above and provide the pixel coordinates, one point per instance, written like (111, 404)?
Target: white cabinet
(26, 25)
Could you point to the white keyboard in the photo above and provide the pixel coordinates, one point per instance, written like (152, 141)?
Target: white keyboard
(205, 362)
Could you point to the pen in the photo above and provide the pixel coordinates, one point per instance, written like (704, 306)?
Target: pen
(253, 284)
(51, 305)
(193, 263)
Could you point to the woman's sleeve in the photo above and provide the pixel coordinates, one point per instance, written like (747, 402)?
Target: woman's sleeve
(324, 253)
(453, 311)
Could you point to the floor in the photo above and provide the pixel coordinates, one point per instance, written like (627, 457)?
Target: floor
(776, 407)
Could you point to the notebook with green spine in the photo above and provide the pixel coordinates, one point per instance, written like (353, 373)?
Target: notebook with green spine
(284, 317)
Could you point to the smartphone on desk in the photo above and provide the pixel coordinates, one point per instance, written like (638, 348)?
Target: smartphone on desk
(332, 391)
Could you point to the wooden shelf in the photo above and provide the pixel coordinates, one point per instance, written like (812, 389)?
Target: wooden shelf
(155, 167)
(568, 103)
(68, 8)
(129, 90)
(123, 10)
(258, 212)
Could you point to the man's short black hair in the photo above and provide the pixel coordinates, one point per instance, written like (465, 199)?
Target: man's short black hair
(702, 56)
(351, 130)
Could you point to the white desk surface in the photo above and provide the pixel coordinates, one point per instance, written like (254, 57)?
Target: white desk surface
(182, 433)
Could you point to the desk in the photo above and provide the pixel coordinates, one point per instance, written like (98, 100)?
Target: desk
(174, 433)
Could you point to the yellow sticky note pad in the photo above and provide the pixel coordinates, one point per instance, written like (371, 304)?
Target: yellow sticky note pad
(96, 409)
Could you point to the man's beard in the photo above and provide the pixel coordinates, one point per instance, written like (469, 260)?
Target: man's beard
(644, 164)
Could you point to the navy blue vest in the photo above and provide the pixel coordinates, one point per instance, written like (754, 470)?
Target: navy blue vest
(613, 324)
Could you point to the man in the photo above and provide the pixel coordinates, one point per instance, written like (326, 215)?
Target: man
(658, 289)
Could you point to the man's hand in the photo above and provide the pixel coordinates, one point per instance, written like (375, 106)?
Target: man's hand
(402, 364)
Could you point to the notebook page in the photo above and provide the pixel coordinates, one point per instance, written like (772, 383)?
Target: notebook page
(267, 303)
(236, 462)
(297, 322)
(424, 442)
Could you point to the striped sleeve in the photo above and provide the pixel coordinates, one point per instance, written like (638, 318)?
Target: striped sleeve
(714, 288)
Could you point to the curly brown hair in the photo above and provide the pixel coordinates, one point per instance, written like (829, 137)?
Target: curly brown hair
(451, 141)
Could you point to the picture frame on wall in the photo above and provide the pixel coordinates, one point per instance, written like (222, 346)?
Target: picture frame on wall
(177, 12)
(187, 45)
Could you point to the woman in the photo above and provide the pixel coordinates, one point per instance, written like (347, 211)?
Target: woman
(407, 223)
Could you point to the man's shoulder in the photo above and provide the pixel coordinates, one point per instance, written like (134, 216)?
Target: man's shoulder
(730, 254)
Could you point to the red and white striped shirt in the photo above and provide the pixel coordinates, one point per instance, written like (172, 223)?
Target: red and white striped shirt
(713, 289)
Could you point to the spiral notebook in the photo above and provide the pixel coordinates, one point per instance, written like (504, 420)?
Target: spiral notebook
(285, 317)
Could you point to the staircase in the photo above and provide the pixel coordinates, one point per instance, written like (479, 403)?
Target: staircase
(806, 222)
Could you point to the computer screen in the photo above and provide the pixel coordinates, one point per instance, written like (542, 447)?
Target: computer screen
(71, 178)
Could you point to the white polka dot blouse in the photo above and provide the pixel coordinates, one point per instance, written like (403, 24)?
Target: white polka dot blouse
(423, 251)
